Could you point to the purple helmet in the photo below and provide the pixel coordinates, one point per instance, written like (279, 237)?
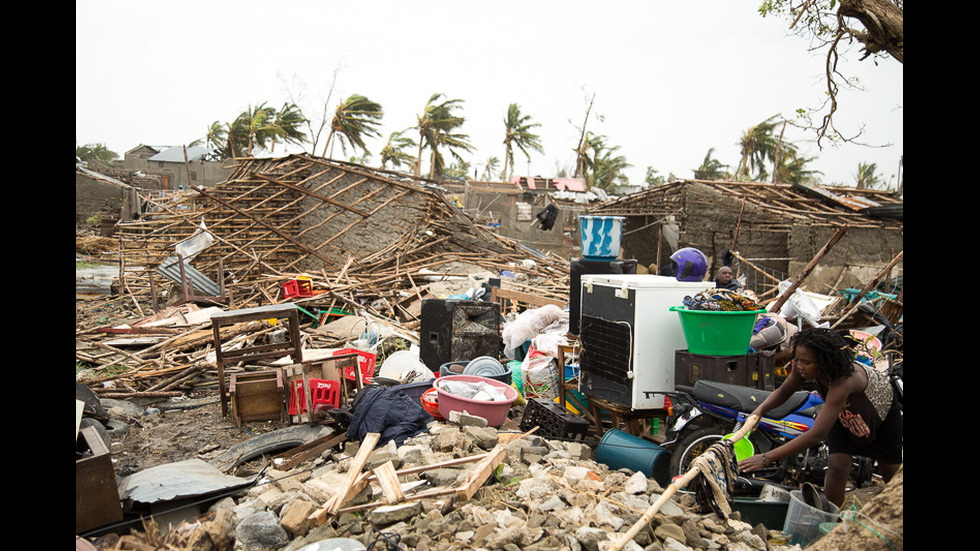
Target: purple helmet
(691, 264)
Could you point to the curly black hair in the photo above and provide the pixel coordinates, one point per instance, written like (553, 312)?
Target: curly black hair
(835, 356)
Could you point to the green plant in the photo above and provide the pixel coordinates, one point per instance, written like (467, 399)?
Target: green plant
(94, 220)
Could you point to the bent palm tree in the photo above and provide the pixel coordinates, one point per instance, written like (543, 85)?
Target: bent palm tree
(435, 126)
(710, 169)
(355, 119)
(394, 150)
(866, 177)
(286, 125)
(757, 146)
(518, 135)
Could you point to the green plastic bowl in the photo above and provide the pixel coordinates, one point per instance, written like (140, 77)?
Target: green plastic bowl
(743, 447)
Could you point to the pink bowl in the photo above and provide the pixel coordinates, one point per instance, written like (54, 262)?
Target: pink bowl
(494, 412)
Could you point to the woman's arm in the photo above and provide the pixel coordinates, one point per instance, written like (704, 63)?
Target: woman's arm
(779, 396)
(829, 411)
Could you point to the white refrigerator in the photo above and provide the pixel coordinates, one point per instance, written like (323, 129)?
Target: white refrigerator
(629, 336)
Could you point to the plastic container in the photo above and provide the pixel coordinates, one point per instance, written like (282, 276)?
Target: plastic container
(430, 403)
(743, 447)
(415, 390)
(803, 521)
(717, 333)
(771, 514)
(619, 449)
(601, 236)
(495, 412)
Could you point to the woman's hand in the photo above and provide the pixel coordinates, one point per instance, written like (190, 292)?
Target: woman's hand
(753, 463)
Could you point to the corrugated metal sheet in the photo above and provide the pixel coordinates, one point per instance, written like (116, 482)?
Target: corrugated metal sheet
(176, 154)
(170, 269)
(189, 478)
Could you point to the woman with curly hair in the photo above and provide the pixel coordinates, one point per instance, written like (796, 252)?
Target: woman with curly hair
(860, 415)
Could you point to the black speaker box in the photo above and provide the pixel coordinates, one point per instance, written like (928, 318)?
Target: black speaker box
(458, 330)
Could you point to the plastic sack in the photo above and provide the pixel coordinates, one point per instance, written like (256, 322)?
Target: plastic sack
(540, 376)
(190, 247)
(531, 323)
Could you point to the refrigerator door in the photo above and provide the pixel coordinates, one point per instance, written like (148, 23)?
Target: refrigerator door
(629, 336)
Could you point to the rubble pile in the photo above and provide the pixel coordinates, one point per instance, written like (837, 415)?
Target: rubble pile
(543, 495)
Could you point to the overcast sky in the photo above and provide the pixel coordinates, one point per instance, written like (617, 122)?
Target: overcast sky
(671, 80)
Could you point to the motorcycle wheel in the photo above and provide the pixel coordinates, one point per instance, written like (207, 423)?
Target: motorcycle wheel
(691, 446)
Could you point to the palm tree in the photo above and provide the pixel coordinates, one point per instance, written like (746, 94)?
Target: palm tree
(490, 168)
(394, 150)
(757, 146)
(286, 126)
(608, 169)
(261, 127)
(710, 169)
(866, 177)
(435, 128)
(95, 152)
(355, 119)
(518, 134)
(583, 161)
(793, 170)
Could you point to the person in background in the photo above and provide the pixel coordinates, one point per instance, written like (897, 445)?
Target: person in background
(725, 280)
(860, 415)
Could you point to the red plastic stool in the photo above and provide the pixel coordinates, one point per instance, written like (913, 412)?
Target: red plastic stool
(322, 392)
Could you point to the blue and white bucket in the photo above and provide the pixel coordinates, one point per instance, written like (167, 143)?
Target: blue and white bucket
(601, 236)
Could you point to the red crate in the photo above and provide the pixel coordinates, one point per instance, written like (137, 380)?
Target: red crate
(297, 288)
(365, 363)
(322, 391)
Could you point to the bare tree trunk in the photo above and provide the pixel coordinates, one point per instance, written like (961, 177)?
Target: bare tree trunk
(884, 24)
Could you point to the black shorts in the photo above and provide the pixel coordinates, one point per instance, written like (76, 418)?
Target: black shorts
(886, 446)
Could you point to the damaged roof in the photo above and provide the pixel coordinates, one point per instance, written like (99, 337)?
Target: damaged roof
(792, 203)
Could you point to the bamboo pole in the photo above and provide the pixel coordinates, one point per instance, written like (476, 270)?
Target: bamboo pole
(809, 268)
(676, 485)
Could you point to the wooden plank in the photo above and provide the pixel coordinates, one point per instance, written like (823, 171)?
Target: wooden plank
(481, 472)
(388, 480)
(354, 479)
(289, 459)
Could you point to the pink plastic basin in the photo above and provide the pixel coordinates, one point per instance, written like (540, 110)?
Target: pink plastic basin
(494, 412)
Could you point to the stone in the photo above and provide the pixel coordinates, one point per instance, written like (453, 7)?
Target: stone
(390, 514)
(261, 530)
(466, 419)
(669, 531)
(295, 516)
(484, 437)
(636, 484)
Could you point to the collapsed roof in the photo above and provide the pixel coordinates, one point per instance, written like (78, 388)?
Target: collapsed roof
(307, 214)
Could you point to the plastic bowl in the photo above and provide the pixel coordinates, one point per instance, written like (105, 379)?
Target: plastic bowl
(494, 412)
(430, 403)
(743, 447)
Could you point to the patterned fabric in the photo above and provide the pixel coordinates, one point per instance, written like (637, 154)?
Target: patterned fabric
(720, 300)
(879, 395)
(717, 471)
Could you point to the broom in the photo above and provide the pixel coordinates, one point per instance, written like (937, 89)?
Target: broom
(700, 462)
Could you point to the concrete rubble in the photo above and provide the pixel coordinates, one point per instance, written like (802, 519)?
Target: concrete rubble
(556, 499)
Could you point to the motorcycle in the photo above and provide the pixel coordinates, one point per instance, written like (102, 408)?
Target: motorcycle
(708, 411)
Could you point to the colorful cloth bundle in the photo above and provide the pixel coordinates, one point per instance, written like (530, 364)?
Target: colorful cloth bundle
(720, 300)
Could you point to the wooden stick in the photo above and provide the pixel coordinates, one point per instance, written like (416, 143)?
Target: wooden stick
(871, 285)
(351, 481)
(676, 485)
(809, 268)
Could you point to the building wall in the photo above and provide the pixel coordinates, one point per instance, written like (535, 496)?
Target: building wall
(505, 208)
(172, 175)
